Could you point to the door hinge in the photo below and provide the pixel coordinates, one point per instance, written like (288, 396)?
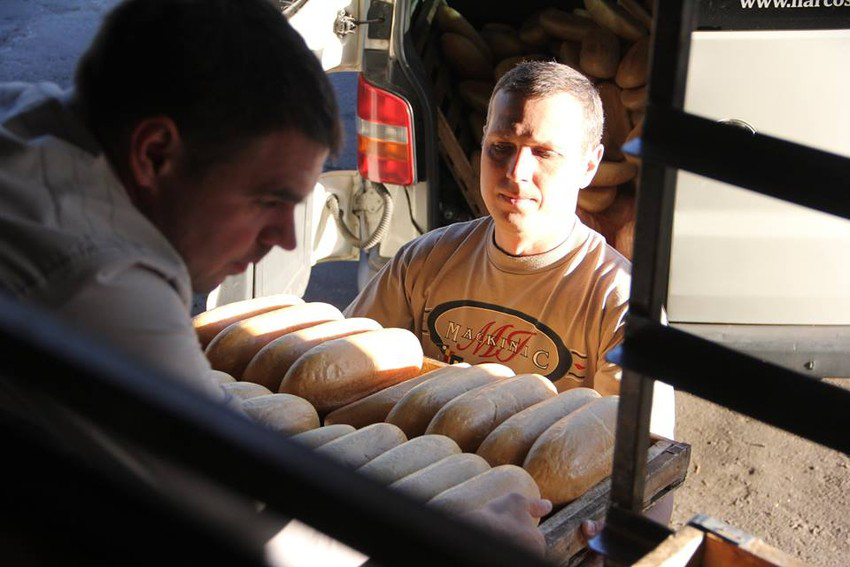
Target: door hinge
(344, 24)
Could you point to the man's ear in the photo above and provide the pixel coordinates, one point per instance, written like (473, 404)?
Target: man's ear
(594, 156)
(155, 149)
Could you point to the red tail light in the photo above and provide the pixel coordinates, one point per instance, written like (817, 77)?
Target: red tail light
(384, 136)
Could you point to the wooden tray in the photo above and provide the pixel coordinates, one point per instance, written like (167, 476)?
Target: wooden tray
(667, 466)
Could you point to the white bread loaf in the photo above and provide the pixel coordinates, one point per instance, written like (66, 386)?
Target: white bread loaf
(617, 122)
(450, 20)
(210, 323)
(322, 435)
(596, 199)
(339, 372)
(469, 418)
(233, 348)
(244, 390)
(220, 377)
(483, 488)
(576, 452)
(465, 58)
(450, 471)
(409, 457)
(503, 42)
(375, 407)
(357, 448)
(633, 69)
(509, 443)
(269, 365)
(476, 94)
(609, 14)
(416, 408)
(283, 413)
(564, 25)
(613, 173)
(600, 53)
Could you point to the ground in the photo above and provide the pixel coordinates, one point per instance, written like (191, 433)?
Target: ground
(790, 492)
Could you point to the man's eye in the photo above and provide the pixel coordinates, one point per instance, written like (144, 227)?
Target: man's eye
(545, 154)
(269, 203)
(501, 148)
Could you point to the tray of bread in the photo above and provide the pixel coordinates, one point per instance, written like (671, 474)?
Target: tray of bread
(451, 436)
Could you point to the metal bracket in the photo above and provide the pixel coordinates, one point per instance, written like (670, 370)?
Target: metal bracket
(345, 24)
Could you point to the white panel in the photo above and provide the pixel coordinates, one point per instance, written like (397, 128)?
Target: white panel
(740, 257)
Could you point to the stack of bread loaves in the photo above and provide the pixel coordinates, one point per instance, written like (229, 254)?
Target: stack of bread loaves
(608, 41)
(453, 436)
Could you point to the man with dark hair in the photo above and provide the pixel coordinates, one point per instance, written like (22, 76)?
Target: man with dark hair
(195, 128)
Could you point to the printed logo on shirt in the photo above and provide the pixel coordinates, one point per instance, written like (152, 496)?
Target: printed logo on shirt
(476, 332)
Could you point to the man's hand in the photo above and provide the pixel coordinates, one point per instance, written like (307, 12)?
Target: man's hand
(590, 529)
(516, 517)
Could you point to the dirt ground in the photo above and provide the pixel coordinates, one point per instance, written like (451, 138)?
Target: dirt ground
(788, 491)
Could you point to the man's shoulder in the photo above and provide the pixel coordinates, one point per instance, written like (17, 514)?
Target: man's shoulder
(451, 234)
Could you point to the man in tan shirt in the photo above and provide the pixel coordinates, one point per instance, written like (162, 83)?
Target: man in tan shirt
(528, 286)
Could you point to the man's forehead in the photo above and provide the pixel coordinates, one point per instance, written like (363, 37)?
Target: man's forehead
(552, 116)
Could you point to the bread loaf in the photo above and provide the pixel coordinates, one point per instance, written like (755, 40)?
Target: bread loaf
(375, 407)
(503, 42)
(416, 408)
(612, 173)
(506, 65)
(450, 471)
(464, 58)
(244, 390)
(570, 54)
(632, 71)
(220, 377)
(617, 123)
(509, 443)
(283, 413)
(273, 360)
(357, 448)
(634, 99)
(476, 94)
(640, 13)
(322, 435)
(635, 133)
(600, 53)
(532, 33)
(610, 15)
(563, 25)
(210, 323)
(339, 372)
(576, 452)
(469, 418)
(409, 457)
(596, 199)
(483, 488)
(450, 20)
(233, 348)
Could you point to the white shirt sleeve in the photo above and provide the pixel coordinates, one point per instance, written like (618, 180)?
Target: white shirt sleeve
(137, 311)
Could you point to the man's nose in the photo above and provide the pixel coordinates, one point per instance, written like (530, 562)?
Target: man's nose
(280, 231)
(521, 167)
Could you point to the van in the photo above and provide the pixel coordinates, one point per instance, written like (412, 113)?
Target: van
(766, 277)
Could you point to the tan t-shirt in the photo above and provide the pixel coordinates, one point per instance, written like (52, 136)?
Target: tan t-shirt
(555, 314)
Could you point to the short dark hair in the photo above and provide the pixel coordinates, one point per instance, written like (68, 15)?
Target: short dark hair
(226, 72)
(539, 79)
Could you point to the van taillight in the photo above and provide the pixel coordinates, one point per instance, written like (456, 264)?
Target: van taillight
(384, 136)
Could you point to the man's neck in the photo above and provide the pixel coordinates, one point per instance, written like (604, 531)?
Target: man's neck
(526, 244)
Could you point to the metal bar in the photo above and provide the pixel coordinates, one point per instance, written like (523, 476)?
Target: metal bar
(160, 415)
(801, 405)
(761, 163)
(672, 26)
